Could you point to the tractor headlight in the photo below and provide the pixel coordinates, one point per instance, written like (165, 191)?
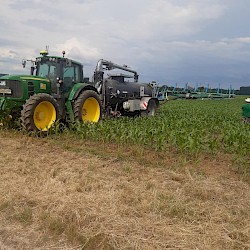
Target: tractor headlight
(2, 83)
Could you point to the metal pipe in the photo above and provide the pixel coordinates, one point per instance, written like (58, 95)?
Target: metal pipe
(99, 66)
(110, 66)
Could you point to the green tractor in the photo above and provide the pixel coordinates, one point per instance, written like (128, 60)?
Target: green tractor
(56, 90)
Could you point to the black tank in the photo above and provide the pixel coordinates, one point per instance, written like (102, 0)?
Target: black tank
(118, 91)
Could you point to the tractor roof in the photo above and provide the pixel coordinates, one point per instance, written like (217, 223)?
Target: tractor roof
(45, 55)
(58, 58)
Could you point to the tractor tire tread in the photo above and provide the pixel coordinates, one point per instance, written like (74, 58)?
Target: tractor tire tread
(28, 108)
(79, 102)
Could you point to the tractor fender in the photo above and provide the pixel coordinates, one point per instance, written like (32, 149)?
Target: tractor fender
(2, 103)
(78, 88)
(145, 100)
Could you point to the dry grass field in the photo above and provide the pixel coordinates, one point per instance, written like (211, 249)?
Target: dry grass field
(63, 193)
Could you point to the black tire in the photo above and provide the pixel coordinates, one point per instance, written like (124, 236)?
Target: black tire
(39, 113)
(87, 107)
(151, 109)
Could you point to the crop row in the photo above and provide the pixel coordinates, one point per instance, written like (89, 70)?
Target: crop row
(189, 126)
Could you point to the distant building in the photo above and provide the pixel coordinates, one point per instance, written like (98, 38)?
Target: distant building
(245, 90)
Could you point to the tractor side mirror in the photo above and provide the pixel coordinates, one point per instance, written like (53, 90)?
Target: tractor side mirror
(32, 69)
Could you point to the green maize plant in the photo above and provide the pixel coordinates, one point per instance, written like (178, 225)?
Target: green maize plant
(187, 126)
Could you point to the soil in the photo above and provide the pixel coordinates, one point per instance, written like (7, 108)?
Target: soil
(73, 194)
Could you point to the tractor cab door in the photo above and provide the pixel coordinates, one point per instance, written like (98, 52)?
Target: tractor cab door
(72, 73)
(50, 70)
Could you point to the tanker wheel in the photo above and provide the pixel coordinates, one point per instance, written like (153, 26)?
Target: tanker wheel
(87, 107)
(39, 113)
(151, 109)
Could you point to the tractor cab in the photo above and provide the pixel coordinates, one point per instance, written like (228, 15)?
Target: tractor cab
(59, 70)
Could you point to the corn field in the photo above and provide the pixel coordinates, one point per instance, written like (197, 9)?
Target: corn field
(188, 127)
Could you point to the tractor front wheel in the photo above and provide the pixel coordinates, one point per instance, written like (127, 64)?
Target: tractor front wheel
(39, 112)
(87, 107)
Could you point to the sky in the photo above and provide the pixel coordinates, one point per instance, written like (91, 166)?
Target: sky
(198, 42)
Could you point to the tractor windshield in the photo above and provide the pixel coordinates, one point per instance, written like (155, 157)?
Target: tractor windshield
(48, 70)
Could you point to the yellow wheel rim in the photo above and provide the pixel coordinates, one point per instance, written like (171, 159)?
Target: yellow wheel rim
(44, 115)
(91, 110)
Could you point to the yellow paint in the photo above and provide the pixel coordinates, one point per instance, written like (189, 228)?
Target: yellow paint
(44, 52)
(43, 86)
(44, 115)
(34, 78)
(91, 110)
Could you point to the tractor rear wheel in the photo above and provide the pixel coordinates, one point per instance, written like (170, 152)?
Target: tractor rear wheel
(151, 109)
(87, 107)
(39, 112)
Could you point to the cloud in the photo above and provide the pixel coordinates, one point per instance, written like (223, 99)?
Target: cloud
(241, 40)
(77, 49)
(9, 61)
(161, 39)
(168, 19)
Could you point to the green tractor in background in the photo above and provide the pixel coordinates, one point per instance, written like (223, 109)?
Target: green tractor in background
(55, 90)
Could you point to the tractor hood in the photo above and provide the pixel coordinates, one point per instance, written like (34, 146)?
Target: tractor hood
(23, 77)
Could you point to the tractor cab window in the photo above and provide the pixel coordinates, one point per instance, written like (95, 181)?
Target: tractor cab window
(71, 75)
(50, 70)
(43, 70)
